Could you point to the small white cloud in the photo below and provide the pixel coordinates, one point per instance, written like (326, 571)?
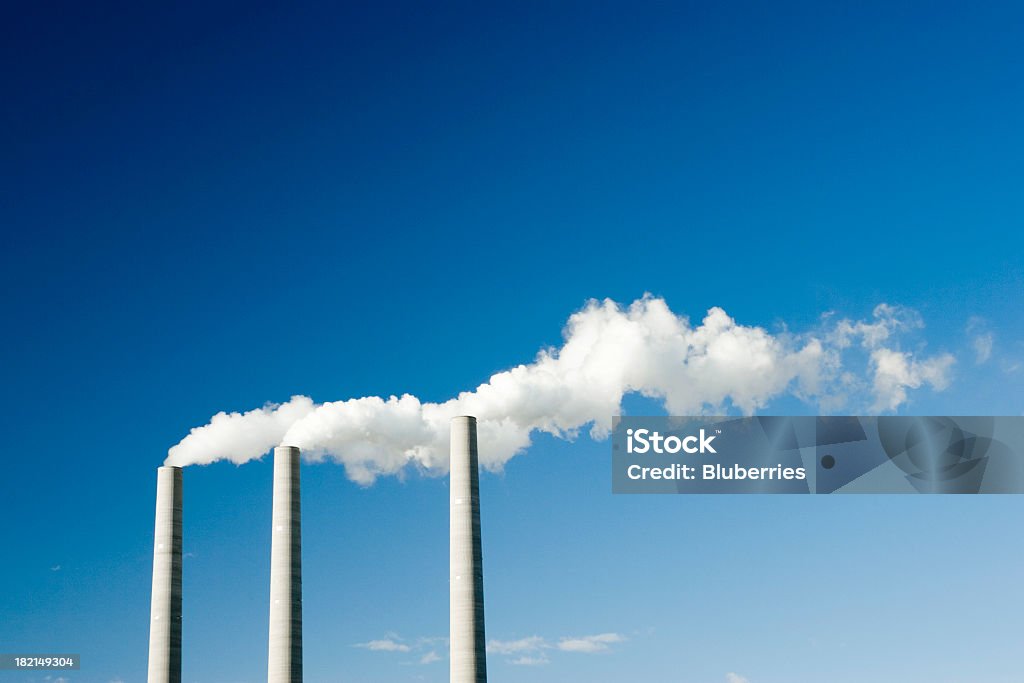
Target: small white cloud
(888, 321)
(509, 647)
(982, 340)
(589, 644)
(431, 641)
(384, 645)
(982, 344)
(735, 678)
(533, 651)
(55, 568)
(430, 658)
(897, 371)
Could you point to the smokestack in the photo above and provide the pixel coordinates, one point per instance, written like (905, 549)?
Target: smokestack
(165, 609)
(466, 578)
(285, 661)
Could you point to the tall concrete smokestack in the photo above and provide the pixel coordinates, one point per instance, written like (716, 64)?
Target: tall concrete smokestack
(165, 609)
(466, 578)
(285, 662)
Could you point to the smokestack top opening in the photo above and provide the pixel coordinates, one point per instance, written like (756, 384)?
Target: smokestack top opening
(464, 417)
(169, 467)
(286, 448)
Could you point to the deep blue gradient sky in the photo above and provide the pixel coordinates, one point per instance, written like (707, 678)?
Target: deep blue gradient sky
(209, 206)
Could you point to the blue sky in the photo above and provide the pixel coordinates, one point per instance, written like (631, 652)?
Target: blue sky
(213, 206)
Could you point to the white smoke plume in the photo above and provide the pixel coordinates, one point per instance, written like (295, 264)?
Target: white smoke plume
(608, 351)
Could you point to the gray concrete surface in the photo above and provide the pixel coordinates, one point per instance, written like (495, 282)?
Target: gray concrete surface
(285, 660)
(165, 608)
(466, 578)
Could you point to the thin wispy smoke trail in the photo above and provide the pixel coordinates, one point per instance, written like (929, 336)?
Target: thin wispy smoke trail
(608, 351)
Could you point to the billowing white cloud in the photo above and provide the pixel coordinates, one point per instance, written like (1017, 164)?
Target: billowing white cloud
(240, 437)
(609, 351)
